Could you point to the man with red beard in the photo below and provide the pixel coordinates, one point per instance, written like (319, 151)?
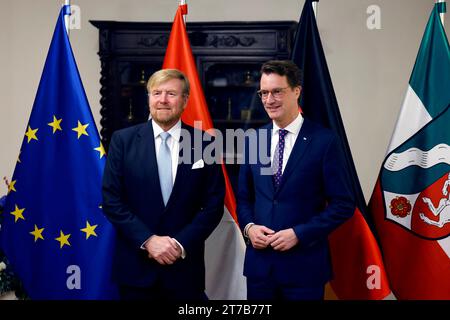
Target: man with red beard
(163, 209)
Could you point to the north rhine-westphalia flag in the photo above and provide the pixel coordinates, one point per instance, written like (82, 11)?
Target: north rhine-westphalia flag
(411, 200)
(358, 270)
(225, 248)
(53, 231)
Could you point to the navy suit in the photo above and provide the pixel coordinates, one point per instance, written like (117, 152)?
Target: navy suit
(313, 198)
(133, 202)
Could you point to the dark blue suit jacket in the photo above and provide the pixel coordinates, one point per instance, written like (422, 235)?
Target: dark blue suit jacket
(313, 198)
(132, 201)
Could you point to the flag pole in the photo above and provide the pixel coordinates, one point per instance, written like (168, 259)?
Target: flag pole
(441, 14)
(183, 2)
(314, 5)
(67, 18)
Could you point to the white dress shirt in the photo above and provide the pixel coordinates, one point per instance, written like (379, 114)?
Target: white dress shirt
(289, 140)
(173, 142)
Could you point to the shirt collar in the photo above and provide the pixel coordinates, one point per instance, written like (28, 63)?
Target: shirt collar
(175, 131)
(293, 127)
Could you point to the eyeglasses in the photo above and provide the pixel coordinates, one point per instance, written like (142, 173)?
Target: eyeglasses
(277, 93)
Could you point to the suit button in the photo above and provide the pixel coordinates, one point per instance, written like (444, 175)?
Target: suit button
(275, 202)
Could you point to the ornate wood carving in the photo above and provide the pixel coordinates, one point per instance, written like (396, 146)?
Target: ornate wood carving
(157, 41)
(106, 103)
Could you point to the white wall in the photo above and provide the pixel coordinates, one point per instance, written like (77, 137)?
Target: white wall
(5, 89)
(370, 68)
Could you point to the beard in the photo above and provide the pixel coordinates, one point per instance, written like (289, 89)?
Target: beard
(166, 118)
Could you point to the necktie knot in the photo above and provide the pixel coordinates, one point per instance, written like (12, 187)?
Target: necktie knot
(282, 133)
(164, 136)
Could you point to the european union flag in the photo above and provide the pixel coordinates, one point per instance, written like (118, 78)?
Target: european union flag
(54, 232)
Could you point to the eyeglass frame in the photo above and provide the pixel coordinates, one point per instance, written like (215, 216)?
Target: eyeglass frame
(275, 95)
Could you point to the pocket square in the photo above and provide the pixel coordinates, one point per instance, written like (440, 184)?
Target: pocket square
(199, 164)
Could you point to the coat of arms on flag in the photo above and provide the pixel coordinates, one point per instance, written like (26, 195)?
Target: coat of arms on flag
(415, 179)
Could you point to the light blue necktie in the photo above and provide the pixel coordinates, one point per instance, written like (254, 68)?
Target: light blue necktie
(165, 167)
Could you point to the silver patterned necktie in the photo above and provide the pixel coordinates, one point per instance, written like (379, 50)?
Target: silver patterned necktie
(165, 167)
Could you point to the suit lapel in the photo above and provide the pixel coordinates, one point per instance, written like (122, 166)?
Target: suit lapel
(268, 176)
(182, 169)
(147, 159)
(300, 146)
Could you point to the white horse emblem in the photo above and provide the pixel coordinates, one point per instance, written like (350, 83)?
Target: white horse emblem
(442, 210)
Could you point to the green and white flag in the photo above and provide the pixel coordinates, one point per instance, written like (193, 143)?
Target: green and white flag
(411, 200)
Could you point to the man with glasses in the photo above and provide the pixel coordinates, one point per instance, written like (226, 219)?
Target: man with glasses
(289, 205)
(163, 209)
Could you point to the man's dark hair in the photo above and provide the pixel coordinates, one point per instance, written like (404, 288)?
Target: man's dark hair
(284, 68)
